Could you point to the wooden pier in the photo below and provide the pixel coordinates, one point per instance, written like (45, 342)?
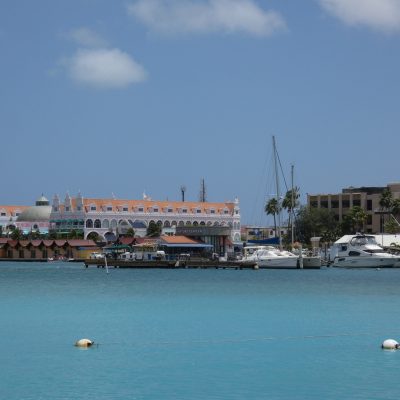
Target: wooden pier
(165, 264)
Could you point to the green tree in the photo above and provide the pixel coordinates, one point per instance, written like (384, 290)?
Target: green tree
(311, 222)
(154, 230)
(392, 226)
(272, 208)
(386, 200)
(347, 225)
(395, 209)
(130, 232)
(290, 202)
(358, 216)
(33, 235)
(16, 234)
(94, 236)
(75, 234)
(52, 235)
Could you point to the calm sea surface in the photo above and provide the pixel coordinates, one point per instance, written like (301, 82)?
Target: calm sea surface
(197, 334)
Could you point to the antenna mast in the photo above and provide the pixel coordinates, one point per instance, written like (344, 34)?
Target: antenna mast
(203, 192)
(183, 190)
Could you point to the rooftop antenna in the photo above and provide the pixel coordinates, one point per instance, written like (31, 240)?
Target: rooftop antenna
(203, 192)
(183, 190)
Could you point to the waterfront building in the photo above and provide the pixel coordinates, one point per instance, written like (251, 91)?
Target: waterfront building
(258, 232)
(9, 215)
(77, 249)
(109, 218)
(35, 218)
(365, 197)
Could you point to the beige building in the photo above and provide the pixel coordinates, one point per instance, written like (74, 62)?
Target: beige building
(366, 197)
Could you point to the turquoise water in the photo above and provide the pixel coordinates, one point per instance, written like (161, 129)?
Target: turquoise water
(197, 334)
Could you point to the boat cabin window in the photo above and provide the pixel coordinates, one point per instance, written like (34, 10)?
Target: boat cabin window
(373, 251)
(343, 248)
(362, 240)
(353, 253)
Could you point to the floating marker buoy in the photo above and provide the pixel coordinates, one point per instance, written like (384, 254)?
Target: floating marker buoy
(390, 344)
(84, 343)
(256, 266)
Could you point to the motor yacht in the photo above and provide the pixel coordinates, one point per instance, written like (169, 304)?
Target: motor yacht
(271, 257)
(361, 251)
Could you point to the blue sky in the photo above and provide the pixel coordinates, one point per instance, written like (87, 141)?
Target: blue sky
(146, 95)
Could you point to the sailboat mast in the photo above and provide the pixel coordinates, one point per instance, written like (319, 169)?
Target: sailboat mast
(278, 195)
(292, 207)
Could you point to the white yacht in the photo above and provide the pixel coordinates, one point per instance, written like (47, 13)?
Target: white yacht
(270, 257)
(361, 251)
(275, 258)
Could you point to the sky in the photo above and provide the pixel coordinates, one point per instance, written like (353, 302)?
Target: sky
(118, 98)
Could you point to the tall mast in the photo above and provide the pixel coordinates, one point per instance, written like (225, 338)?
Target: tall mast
(292, 208)
(278, 195)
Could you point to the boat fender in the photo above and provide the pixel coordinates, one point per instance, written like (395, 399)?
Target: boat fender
(256, 266)
(390, 344)
(84, 343)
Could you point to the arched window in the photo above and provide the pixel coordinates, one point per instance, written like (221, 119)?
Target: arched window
(113, 224)
(181, 223)
(195, 223)
(106, 223)
(188, 223)
(216, 223)
(89, 223)
(202, 223)
(97, 224)
(174, 223)
(167, 224)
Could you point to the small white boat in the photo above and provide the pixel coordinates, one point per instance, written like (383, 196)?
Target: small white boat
(270, 257)
(361, 251)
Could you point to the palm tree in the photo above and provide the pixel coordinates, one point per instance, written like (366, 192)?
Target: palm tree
(272, 208)
(290, 202)
(386, 199)
(395, 209)
(358, 217)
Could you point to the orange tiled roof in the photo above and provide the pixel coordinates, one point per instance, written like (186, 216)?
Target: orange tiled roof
(178, 240)
(11, 210)
(118, 205)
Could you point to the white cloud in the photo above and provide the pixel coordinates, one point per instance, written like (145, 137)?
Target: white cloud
(189, 16)
(86, 37)
(105, 68)
(383, 15)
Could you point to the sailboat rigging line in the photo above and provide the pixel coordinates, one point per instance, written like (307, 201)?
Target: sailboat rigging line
(283, 175)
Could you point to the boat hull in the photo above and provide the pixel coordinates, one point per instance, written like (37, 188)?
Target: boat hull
(363, 262)
(278, 262)
(312, 262)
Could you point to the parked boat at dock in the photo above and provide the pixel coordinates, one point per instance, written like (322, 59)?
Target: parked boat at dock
(361, 251)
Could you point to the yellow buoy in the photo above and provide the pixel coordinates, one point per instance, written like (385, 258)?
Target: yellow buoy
(84, 343)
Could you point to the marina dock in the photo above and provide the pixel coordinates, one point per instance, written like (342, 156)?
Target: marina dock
(166, 264)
